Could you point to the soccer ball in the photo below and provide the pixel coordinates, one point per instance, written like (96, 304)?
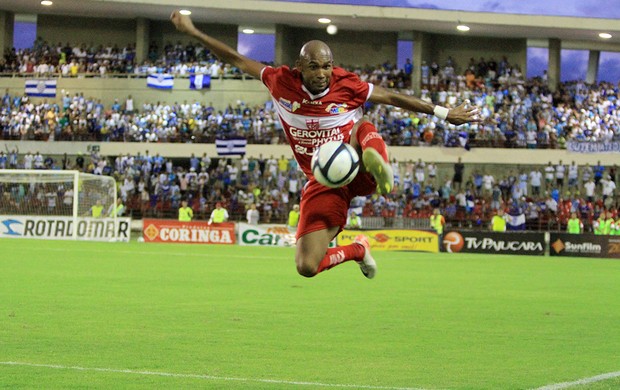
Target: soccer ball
(335, 164)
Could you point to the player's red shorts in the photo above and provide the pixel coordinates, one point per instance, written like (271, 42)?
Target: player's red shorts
(322, 207)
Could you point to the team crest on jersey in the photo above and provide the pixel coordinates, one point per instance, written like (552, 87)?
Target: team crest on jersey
(312, 124)
(337, 108)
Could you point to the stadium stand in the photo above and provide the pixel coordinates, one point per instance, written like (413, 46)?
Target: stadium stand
(520, 114)
(153, 186)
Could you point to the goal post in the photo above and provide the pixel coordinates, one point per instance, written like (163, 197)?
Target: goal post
(54, 204)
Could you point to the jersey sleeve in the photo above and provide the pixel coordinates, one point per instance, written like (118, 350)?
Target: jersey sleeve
(359, 90)
(269, 76)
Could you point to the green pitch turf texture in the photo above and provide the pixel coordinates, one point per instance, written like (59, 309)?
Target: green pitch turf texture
(146, 316)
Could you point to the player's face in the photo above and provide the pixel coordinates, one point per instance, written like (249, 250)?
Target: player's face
(316, 73)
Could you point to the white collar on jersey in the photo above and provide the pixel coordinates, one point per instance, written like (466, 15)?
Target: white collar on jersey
(314, 97)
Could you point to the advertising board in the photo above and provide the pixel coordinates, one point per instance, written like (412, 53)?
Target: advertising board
(61, 228)
(266, 235)
(395, 240)
(584, 245)
(525, 243)
(194, 232)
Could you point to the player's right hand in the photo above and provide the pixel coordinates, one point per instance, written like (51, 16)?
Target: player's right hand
(183, 23)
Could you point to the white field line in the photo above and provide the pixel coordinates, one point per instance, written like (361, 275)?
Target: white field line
(177, 254)
(582, 381)
(204, 377)
(147, 253)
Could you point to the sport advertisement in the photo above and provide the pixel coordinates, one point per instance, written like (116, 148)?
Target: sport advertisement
(584, 245)
(494, 242)
(394, 240)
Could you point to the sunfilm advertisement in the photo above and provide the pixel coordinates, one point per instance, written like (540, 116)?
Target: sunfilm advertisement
(584, 245)
(170, 231)
(394, 240)
(494, 242)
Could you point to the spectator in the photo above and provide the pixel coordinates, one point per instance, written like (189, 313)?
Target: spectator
(457, 178)
(252, 215)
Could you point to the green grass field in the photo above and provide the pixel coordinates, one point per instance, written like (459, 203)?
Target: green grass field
(111, 315)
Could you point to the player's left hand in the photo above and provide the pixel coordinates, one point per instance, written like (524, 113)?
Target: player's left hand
(183, 23)
(464, 113)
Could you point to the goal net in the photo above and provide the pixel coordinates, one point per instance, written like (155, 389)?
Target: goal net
(51, 204)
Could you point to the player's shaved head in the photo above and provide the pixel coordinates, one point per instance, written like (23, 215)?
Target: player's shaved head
(314, 50)
(315, 63)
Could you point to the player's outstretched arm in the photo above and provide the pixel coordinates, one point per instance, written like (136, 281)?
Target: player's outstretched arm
(463, 113)
(184, 24)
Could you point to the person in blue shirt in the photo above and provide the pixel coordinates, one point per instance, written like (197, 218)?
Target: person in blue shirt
(408, 67)
(598, 172)
(477, 183)
(116, 107)
(194, 162)
(416, 189)
(555, 194)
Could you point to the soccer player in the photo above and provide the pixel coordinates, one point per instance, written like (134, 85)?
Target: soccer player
(317, 102)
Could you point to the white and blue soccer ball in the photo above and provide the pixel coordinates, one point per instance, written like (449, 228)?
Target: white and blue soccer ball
(335, 164)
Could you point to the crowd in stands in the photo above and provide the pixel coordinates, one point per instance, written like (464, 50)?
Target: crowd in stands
(153, 186)
(517, 116)
(518, 113)
(67, 60)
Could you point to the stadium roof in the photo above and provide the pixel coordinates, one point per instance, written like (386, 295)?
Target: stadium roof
(263, 15)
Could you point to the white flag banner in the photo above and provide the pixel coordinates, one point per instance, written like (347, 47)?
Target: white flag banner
(199, 81)
(41, 88)
(230, 147)
(515, 222)
(160, 81)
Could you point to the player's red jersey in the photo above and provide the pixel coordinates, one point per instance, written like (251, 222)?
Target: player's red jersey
(311, 120)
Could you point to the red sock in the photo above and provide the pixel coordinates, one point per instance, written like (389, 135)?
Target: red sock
(338, 255)
(367, 136)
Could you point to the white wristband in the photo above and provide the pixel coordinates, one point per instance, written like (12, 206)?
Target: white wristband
(441, 112)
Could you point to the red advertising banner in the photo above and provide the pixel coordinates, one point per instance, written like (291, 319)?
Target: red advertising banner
(170, 231)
